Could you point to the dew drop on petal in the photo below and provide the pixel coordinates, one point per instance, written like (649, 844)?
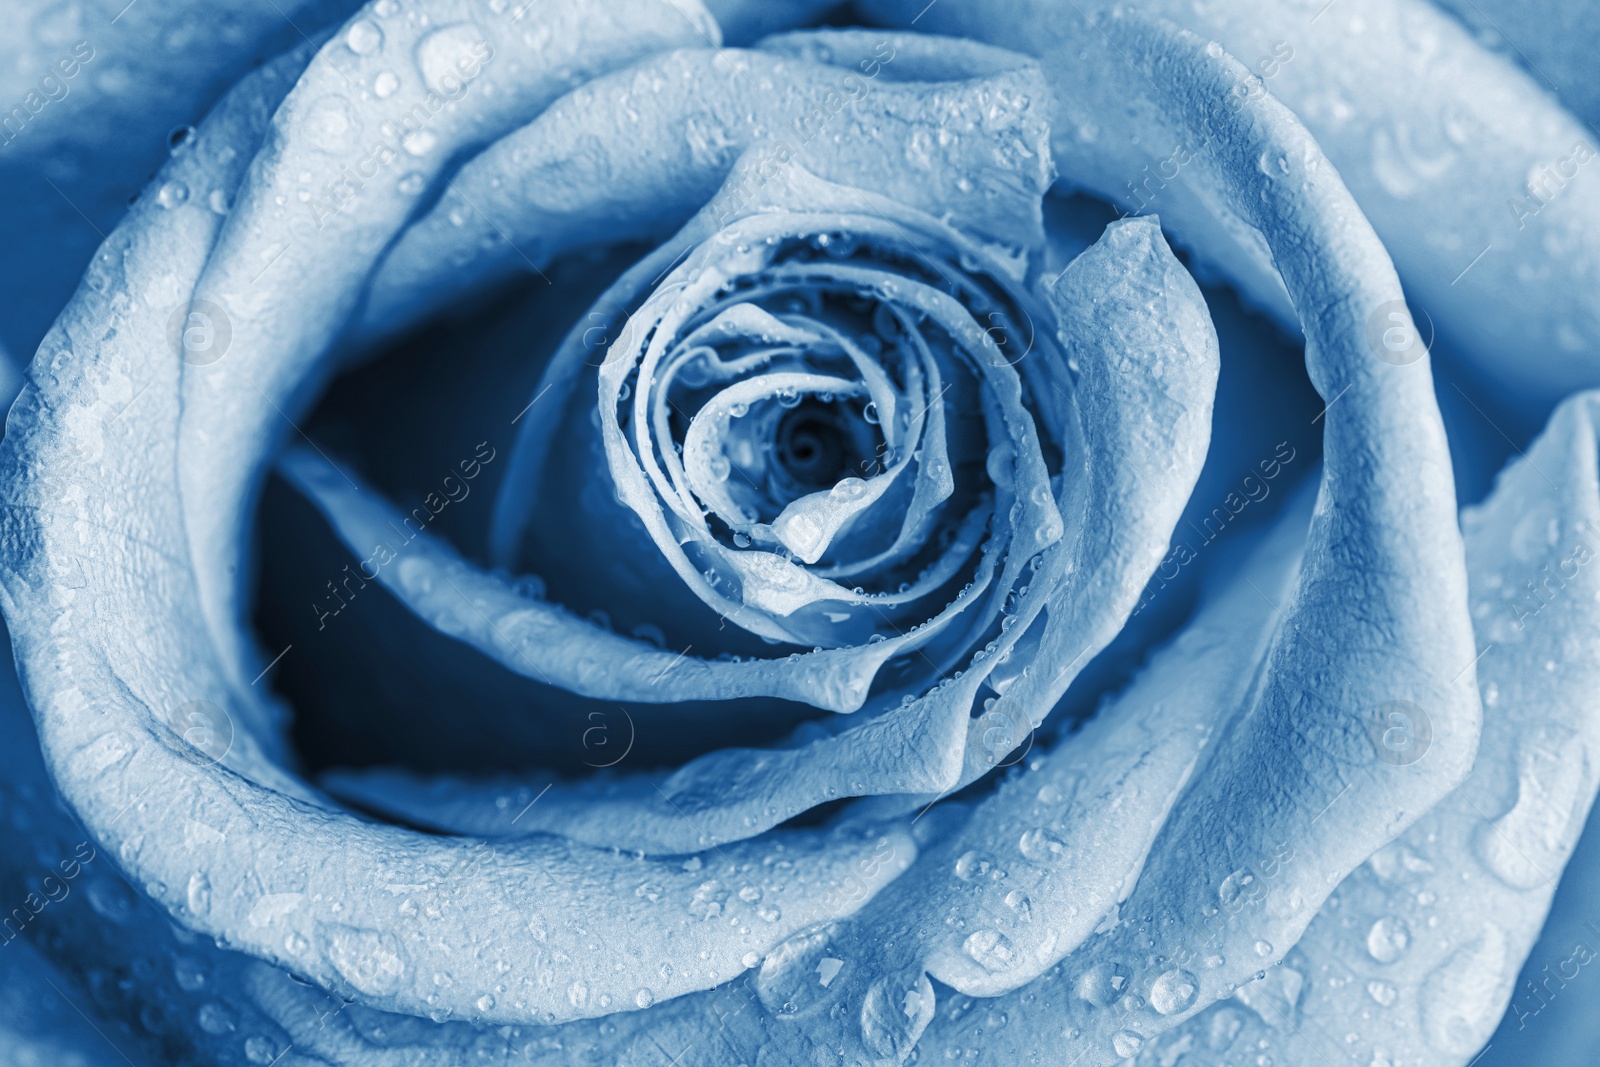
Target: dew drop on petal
(990, 949)
(1174, 991)
(1388, 939)
(420, 142)
(171, 194)
(1039, 844)
(363, 37)
(443, 53)
(798, 973)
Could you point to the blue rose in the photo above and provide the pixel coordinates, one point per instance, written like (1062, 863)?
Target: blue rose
(759, 579)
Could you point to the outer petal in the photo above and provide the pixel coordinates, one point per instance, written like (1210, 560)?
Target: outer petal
(582, 175)
(1412, 960)
(98, 587)
(116, 85)
(1554, 40)
(1481, 187)
(469, 76)
(1382, 589)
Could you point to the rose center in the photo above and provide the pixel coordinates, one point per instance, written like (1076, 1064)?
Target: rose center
(818, 443)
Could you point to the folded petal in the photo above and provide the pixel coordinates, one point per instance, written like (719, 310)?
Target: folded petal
(1414, 957)
(134, 704)
(1378, 616)
(96, 98)
(1480, 185)
(313, 216)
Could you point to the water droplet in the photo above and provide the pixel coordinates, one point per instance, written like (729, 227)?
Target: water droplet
(198, 896)
(578, 993)
(412, 183)
(1384, 993)
(796, 976)
(991, 949)
(1387, 939)
(1103, 984)
(1126, 1043)
(261, 1051)
(892, 1016)
(1174, 991)
(448, 53)
(190, 975)
(216, 1019)
(708, 901)
(363, 37)
(111, 898)
(328, 123)
(972, 864)
(486, 1002)
(386, 84)
(420, 142)
(171, 194)
(368, 959)
(644, 998)
(1040, 845)
(1236, 885)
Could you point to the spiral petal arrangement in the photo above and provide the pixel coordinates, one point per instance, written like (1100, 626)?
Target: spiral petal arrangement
(851, 446)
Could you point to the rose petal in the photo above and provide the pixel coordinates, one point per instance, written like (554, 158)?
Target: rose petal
(115, 87)
(1136, 326)
(319, 240)
(1552, 39)
(1413, 958)
(546, 641)
(584, 174)
(1383, 537)
(1443, 144)
(103, 604)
